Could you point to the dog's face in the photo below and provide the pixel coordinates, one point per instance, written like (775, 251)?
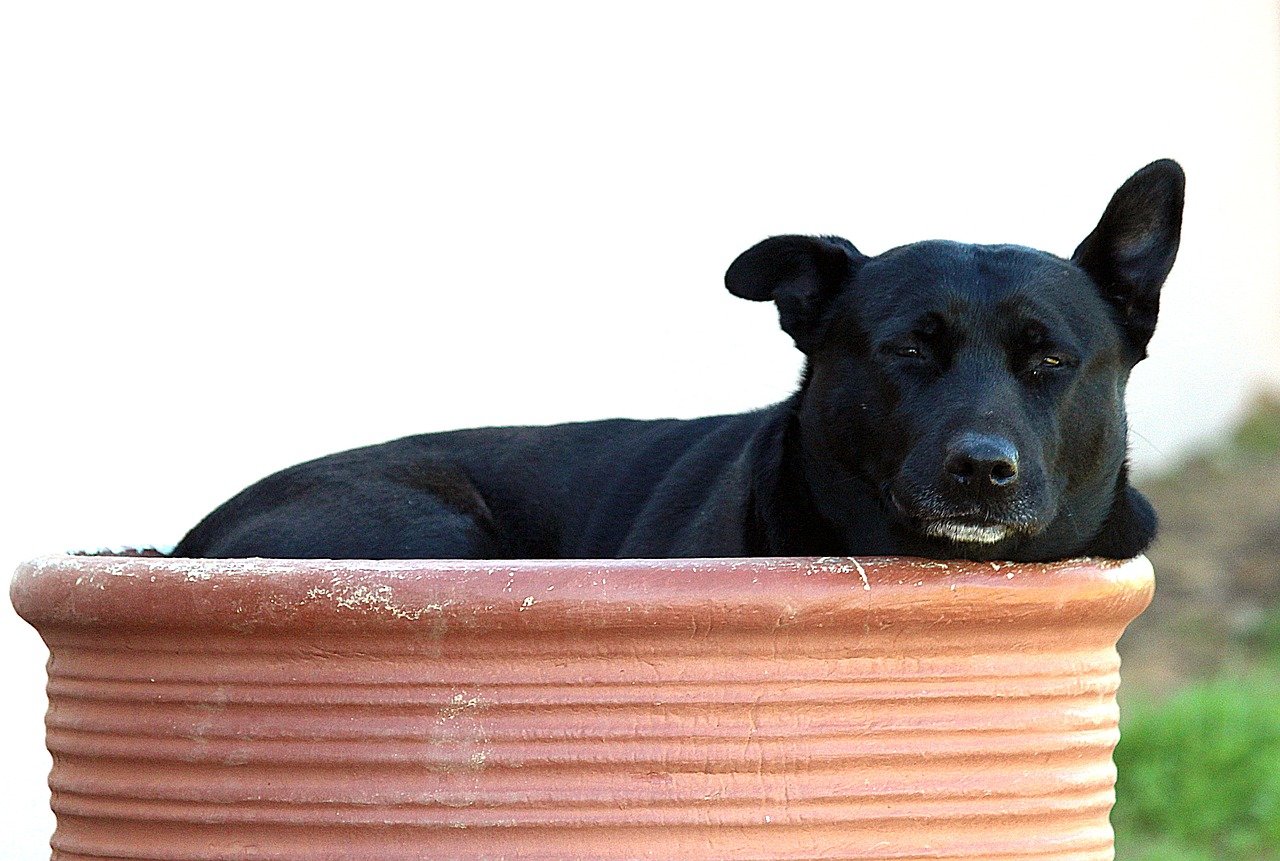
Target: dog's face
(978, 391)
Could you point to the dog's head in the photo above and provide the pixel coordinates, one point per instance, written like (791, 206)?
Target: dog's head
(978, 390)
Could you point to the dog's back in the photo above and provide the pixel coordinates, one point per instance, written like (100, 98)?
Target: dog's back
(583, 490)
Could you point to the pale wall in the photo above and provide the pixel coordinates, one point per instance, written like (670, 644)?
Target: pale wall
(237, 236)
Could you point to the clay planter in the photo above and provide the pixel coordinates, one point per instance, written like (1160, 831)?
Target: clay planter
(691, 709)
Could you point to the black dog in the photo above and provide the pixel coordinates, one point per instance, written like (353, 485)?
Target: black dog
(957, 401)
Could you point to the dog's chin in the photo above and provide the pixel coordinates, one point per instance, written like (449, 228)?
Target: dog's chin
(967, 529)
(960, 532)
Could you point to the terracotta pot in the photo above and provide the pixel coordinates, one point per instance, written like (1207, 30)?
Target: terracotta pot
(743, 709)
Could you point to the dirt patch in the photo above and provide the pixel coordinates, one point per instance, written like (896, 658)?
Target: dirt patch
(1217, 561)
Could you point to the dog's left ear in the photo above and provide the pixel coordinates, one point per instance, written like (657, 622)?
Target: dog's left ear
(800, 274)
(1130, 252)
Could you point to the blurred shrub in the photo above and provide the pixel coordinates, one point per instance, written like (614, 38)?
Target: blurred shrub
(1264, 635)
(1199, 773)
(1258, 435)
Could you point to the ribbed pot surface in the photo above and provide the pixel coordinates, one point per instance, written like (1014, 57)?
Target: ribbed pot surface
(677, 709)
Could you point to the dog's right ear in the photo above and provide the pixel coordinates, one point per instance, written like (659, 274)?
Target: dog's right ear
(800, 274)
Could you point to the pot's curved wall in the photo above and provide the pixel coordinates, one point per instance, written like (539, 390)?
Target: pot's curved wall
(744, 709)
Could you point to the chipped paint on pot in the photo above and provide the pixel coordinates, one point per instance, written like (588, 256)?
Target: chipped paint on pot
(877, 708)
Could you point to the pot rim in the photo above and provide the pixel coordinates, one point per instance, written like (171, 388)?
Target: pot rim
(378, 596)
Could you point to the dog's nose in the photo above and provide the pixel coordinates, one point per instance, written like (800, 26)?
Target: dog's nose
(982, 461)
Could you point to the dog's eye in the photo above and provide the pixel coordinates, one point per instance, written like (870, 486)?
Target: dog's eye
(903, 349)
(1047, 363)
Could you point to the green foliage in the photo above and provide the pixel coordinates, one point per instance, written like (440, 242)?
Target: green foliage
(1258, 434)
(1199, 774)
(1265, 635)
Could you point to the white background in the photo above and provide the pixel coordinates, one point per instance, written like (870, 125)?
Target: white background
(237, 235)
